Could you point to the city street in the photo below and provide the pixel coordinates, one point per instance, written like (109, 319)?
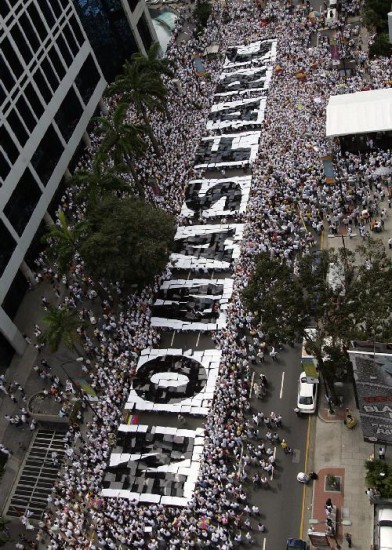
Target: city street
(281, 504)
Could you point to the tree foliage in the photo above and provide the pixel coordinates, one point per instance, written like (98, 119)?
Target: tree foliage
(201, 14)
(381, 46)
(379, 476)
(122, 141)
(92, 184)
(357, 305)
(128, 241)
(61, 328)
(375, 15)
(152, 62)
(63, 240)
(144, 90)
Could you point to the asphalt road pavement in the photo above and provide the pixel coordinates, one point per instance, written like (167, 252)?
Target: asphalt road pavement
(281, 504)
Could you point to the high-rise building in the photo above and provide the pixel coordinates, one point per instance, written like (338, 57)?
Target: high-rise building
(50, 86)
(116, 29)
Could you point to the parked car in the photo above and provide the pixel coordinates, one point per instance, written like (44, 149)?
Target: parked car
(296, 544)
(384, 527)
(307, 395)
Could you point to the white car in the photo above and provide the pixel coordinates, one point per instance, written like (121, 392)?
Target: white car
(307, 395)
(384, 527)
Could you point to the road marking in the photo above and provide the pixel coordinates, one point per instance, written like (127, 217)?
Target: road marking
(251, 384)
(264, 543)
(198, 339)
(304, 488)
(172, 340)
(281, 386)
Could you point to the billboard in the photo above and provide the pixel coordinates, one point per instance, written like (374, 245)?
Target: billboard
(373, 379)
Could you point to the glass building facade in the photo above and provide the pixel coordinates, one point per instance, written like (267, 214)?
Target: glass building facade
(50, 86)
(116, 29)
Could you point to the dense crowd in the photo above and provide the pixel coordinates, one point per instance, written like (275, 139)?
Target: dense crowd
(290, 203)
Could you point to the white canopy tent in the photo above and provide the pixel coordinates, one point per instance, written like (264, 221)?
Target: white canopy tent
(359, 113)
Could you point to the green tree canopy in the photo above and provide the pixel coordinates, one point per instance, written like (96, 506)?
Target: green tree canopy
(91, 185)
(356, 305)
(122, 141)
(128, 241)
(375, 14)
(63, 239)
(145, 90)
(381, 46)
(61, 328)
(152, 62)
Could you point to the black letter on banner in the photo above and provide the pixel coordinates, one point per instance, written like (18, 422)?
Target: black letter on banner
(240, 81)
(231, 190)
(194, 371)
(181, 292)
(248, 111)
(148, 472)
(224, 153)
(192, 308)
(234, 57)
(191, 246)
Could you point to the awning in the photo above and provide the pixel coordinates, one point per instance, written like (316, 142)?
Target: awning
(359, 113)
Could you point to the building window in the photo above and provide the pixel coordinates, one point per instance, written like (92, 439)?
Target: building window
(26, 113)
(5, 166)
(22, 44)
(29, 31)
(22, 202)
(64, 50)
(70, 39)
(56, 62)
(18, 128)
(42, 85)
(37, 22)
(87, 79)
(8, 145)
(47, 155)
(76, 29)
(68, 115)
(47, 12)
(56, 8)
(12, 57)
(144, 31)
(132, 4)
(34, 101)
(3, 95)
(50, 74)
(8, 245)
(5, 75)
(4, 8)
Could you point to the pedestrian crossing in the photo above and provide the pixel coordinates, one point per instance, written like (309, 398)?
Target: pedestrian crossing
(39, 474)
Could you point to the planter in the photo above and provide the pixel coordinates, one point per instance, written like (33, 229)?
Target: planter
(332, 483)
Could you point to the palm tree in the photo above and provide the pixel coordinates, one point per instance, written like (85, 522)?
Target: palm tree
(144, 90)
(99, 181)
(63, 241)
(123, 141)
(62, 324)
(152, 62)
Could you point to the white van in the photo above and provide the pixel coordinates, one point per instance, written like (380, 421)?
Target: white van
(384, 528)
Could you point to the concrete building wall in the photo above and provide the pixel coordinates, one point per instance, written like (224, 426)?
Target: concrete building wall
(50, 86)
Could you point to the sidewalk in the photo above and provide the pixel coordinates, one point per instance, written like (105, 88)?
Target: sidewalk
(341, 452)
(19, 439)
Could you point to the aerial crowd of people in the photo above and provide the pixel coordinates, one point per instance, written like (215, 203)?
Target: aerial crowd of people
(290, 203)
